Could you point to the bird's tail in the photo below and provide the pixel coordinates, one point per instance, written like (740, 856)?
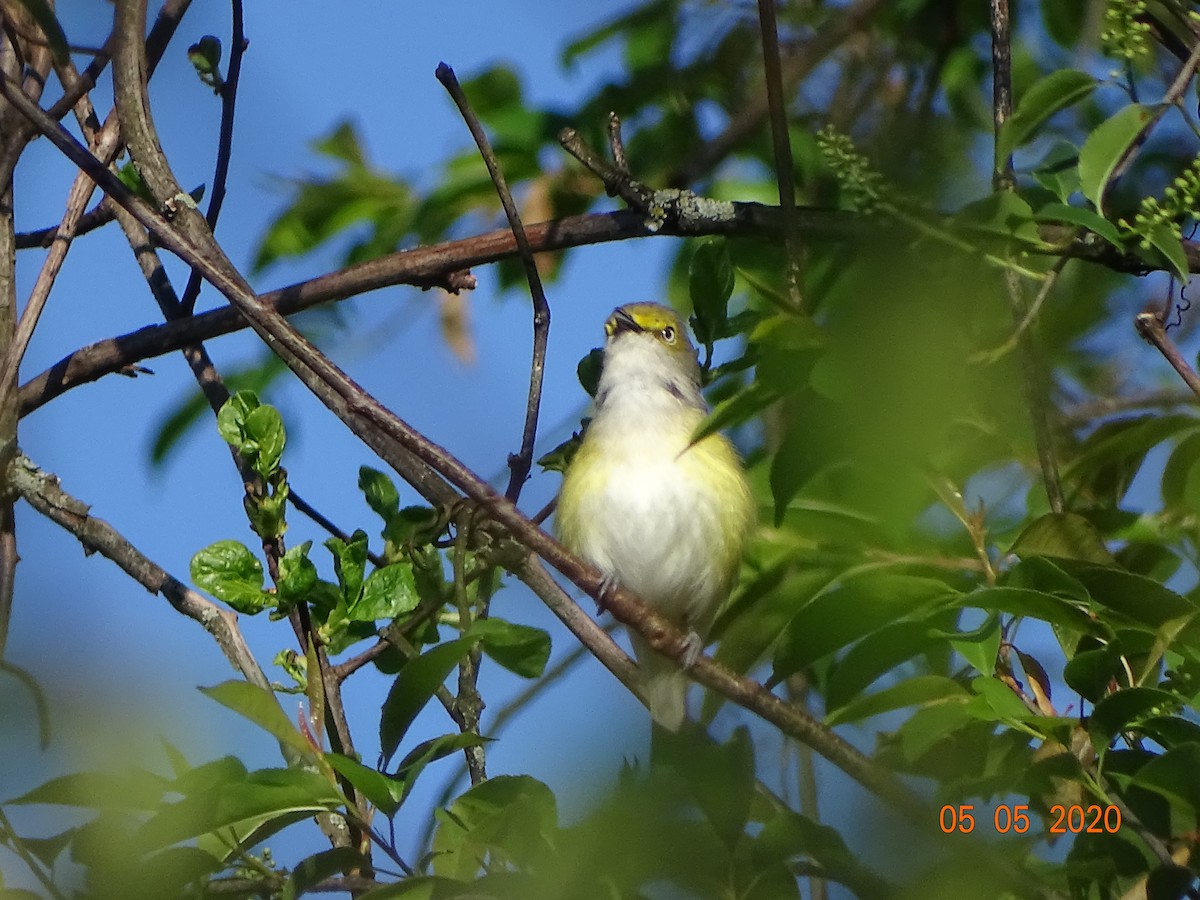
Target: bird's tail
(665, 685)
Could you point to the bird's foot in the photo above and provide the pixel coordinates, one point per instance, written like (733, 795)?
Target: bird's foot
(608, 587)
(693, 646)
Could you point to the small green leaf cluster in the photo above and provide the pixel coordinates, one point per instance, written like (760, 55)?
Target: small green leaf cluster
(256, 432)
(1125, 34)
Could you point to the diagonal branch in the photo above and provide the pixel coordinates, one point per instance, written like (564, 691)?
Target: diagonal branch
(44, 493)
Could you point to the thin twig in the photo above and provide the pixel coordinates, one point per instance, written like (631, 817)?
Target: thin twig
(229, 86)
(521, 462)
(1150, 327)
(1014, 340)
(782, 146)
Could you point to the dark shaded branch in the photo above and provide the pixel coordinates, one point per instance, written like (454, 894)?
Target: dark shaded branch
(98, 215)
(781, 144)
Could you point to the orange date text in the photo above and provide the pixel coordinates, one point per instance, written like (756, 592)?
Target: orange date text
(1015, 819)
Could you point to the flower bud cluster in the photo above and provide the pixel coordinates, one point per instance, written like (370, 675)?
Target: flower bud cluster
(1125, 35)
(863, 188)
(1180, 201)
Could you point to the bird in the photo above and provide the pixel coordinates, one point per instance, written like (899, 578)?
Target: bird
(658, 513)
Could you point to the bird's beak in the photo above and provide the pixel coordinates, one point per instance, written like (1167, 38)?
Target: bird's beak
(622, 321)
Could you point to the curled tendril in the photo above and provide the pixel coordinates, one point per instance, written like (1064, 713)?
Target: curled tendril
(1184, 304)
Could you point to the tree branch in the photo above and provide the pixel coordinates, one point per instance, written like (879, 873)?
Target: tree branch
(521, 462)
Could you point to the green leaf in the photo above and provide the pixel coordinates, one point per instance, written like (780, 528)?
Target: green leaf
(719, 775)
(342, 143)
(1105, 147)
(349, 563)
(979, 647)
(194, 407)
(312, 870)
(513, 814)
(918, 691)
(589, 370)
(710, 285)
(1112, 455)
(741, 407)
(1141, 600)
(1052, 93)
(759, 613)
(430, 751)
(521, 649)
(858, 606)
(999, 703)
(1120, 711)
(382, 790)
(1084, 218)
(1050, 608)
(230, 572)
(788, 836)
(873, 656)
(262, 708)
(1090, 672)
(264, 439)
(1166, 241)
(387, 593)
(231, 418)
(414, 686)
(264, 802)
(1066, 535)
(135, 790)
(379, 491)
(297, 574)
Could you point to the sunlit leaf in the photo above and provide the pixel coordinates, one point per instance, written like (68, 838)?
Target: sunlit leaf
(1106, 146)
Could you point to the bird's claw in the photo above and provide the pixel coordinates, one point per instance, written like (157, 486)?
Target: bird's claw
(693, 645)
(608, 587)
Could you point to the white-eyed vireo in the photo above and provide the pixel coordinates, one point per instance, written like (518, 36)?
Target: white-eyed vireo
(654, 512)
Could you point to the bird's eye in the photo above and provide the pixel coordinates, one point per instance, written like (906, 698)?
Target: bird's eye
(668, 334)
